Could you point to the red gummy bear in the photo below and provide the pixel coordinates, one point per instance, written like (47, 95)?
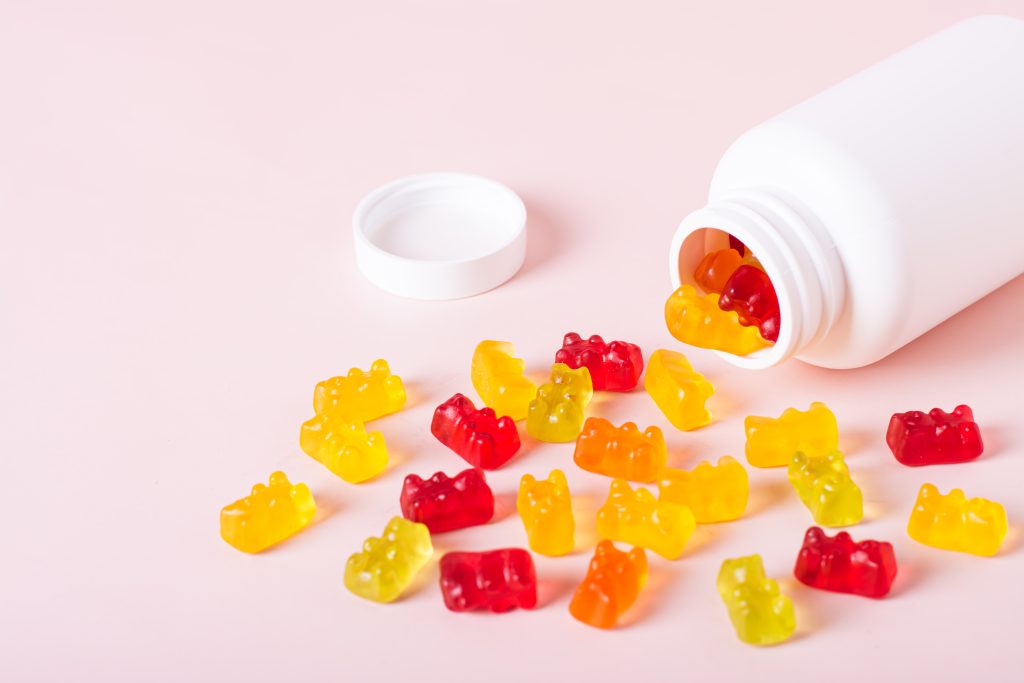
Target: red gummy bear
(935, 437)
(734, 243)
(750, 293)
(498, 580)
(479, 436)
(445, 503)
(613, 367)
(838, 564)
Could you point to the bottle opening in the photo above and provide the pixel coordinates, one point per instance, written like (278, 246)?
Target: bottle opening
(724, 300)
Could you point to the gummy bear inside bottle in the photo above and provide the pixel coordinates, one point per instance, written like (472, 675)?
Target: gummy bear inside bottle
(731, 305)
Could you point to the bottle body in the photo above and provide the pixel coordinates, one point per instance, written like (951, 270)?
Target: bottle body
(885, 204)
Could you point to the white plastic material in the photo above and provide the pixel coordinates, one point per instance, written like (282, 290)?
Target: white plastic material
(883, 205)
(440, 235)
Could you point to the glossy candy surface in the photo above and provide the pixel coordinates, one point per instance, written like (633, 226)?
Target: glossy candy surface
(480, 437)
(614, 580)
(386, 566)
(556, 414)
(496, 580)
(344, 447)
(771, 442)
(613, 366)
(679, 391)
(952, 522)
(446, 503)
(623, 452)
(638, 518)
(268, 515)
(697, 320)
(545, 507)
(826, 488)
(715, 268)
(498, 377)
(760, 613)
(360, 395)
(751, 294)
(714, 493)
(935, 437)
(837, 563)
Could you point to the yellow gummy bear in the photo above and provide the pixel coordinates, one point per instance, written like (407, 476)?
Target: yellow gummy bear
(556, 414)
(952, 522)
(760, 613)
(771, 442)
(714, 493)
(825, 487)
(344, 447)
(545, 507)
(637, 518)
(697, 320)
(360, 396)
(498, 377)
(678, 390)
(270, 514)
(387, 565)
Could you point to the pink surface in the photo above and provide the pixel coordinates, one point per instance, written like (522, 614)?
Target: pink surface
(176, 274)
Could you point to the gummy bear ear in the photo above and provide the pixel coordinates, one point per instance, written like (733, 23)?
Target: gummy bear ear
(380, 366)
(596, 339)
(279, 478)
(557, 477)
(571, 338)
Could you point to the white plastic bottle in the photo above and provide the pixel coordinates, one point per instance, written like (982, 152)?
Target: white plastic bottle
(883, 205)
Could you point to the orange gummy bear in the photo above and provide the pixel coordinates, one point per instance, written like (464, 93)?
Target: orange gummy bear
(613, 582)
(715, 268)
(623, 452)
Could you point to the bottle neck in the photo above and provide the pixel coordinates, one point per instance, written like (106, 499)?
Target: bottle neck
(795, 251)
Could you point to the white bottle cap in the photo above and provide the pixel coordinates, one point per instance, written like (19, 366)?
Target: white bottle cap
(440, 235)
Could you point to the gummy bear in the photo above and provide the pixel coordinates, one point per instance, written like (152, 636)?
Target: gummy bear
(734, 243)
(496, 580)
(760, 613)
(556, 414)
(545, 507)
(479, 436)
(825, 487)
(446, 503)
(613, 582)
(624, 452)
(838, 564)
(678, 390)
(714, 269)
(935, 437)
(360, 396)
(498, 377)
(771, 442)
(387, 565)
(637, 518)
(344, 447)
(714, 493)
(699, 321)
(615, 366)
(751, 294)
(267, 516)
(952, 522)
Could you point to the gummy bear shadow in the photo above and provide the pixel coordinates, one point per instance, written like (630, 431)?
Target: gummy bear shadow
(854, 440)
(704, 536)
(504, 507)
(651, 598)
(551, 589)
(584, 512)
(765, 493)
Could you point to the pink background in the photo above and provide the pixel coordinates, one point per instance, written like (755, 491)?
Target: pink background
(176, 273)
